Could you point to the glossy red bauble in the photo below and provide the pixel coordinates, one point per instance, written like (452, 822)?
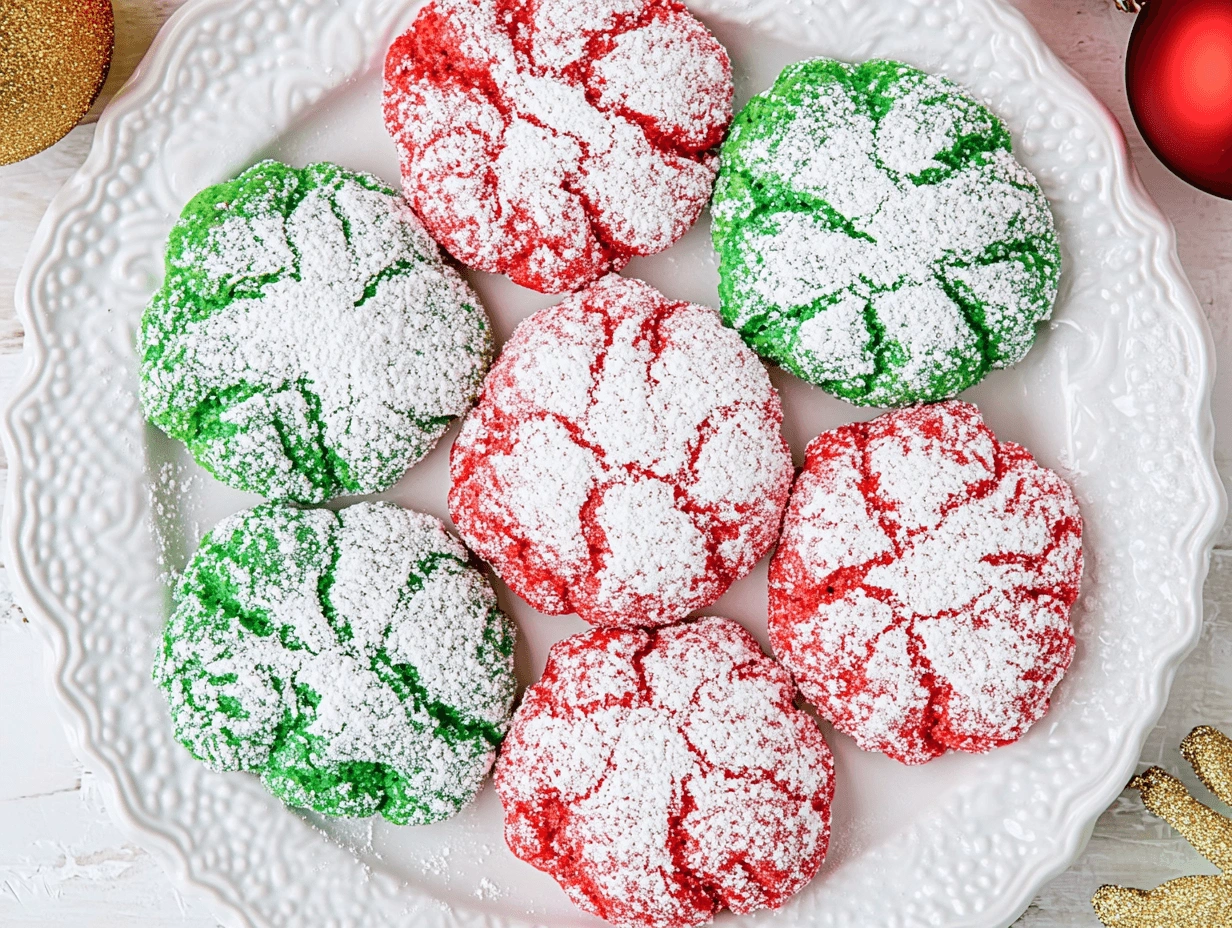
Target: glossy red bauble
(1178, 74)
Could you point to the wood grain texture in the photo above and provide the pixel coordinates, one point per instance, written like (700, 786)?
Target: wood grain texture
(63, 863)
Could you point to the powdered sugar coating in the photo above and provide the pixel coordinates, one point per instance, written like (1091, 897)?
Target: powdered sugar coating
(353, 659)
(660, 776)
(921, 589)
(877, 236)
(551, 140)
(624, 460)
(308, 340)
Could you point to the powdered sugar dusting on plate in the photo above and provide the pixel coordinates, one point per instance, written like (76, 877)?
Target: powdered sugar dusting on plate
(660, 776)
(922, 585)
(625, 459)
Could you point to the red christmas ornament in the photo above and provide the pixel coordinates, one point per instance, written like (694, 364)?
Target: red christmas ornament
(1178, 74)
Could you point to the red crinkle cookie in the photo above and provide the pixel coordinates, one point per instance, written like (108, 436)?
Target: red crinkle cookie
(552, 140)
(922, 587)
(625, 460)
(660, 776)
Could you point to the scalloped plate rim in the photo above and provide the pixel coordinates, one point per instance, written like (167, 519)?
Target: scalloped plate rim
(1202, 534)
(1083, 810)
(72, 712)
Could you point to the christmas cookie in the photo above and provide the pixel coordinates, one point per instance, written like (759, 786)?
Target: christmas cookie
(354, 660)
(660, 776)
(921, 589)
(877, 237)
(308, 341)
(552, 140)
(624, 461)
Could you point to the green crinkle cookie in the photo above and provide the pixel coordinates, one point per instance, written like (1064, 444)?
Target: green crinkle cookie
(308, 341)
(353, 659)
(877, 237)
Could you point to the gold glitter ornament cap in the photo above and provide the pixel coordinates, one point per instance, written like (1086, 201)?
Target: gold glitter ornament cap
(54, 56)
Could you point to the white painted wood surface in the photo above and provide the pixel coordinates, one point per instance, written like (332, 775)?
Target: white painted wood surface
(63, 863)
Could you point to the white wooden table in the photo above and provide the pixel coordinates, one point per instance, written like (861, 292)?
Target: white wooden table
(63, 863)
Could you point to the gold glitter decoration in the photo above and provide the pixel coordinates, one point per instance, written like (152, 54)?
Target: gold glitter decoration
(54, 56)
(1191, 901)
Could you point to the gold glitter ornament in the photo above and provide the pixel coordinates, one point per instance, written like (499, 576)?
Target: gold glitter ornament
(54, 56)
(1191, 901)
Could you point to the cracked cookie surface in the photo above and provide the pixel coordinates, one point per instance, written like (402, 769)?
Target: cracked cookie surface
(921, 590)
(660, 776)
(308, 341)
(354, 660)
(551, 140)
(624, 461)
(876, 235)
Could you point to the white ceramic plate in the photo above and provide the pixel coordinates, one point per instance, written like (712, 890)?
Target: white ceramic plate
(1114, 395)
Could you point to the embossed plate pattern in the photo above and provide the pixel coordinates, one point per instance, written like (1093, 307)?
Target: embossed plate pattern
(1114, 395)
